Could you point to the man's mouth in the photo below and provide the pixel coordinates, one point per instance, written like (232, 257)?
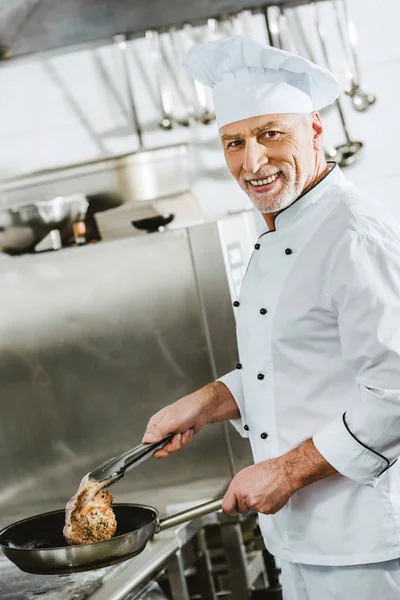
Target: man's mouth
(265, 183)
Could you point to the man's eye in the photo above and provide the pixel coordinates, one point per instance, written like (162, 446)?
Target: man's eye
(235, 144)
(270, 134)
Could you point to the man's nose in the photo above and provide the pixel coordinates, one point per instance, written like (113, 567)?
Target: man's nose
(255, 156)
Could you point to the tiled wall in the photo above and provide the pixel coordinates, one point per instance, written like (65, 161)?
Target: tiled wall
(73, 107)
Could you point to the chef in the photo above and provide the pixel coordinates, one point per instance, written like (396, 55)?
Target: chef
(317, 385)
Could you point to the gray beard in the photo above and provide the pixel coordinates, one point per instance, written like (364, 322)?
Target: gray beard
(271, 205)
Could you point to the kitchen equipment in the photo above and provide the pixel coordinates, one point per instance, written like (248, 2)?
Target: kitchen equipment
(183, 85)
(39, 219)
(204, 116)
(121, 41)
(169, 61)
(115, 468)
(268, 26)
(108, 182)
(36, 545)
(153, 224)
(273, 19)
(51, 241)
(360, 99)
(163, 90)
(344, 154)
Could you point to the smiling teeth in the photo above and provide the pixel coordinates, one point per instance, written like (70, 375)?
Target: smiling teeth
(258, 182)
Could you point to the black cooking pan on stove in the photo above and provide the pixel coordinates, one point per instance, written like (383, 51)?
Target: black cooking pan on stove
(36, 545)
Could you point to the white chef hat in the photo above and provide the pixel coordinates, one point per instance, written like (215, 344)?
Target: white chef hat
(249, 79)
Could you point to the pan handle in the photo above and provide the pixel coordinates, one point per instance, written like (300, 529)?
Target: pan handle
(189, 515)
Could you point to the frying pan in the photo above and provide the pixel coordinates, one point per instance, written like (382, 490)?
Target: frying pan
(36, 545)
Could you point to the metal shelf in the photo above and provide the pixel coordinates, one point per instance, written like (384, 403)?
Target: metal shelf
(56, 24)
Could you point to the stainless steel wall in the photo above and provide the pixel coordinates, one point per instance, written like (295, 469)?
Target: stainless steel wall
(93, 341)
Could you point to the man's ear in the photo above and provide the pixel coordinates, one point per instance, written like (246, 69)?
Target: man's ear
(318, 130)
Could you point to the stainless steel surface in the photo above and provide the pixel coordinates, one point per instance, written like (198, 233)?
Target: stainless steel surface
(236, 560)
(141, 176)
(204, 569)
(79, 350)
(93, 333)
(217, 329)
(58, 24)
(16, 585)
(189, 514)
(129, 575)
(115, 468)
(176, 577)
(36, 544)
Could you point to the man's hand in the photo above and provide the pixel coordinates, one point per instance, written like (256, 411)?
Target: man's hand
(188, 416)
(267, 486)
(264, 487)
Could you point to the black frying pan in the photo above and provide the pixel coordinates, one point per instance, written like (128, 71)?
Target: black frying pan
(36, 545)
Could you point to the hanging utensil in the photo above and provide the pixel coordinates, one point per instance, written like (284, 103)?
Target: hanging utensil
(303, 46)
(204, 115)
(272, 19)
(298, 31)
(268, 26)
(163, 90)
(245, 22)
(171, 70)
(284, 35)
(360, 99)
(344, 154)
(121, 41)
(180, 79)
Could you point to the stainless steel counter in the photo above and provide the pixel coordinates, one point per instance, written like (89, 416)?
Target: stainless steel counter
(15, 585)
(104, 584)
(112, 583)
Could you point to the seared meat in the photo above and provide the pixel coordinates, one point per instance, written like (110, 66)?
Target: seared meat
(88, 515)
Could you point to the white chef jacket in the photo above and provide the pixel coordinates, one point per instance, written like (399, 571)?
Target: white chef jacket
(318, 329)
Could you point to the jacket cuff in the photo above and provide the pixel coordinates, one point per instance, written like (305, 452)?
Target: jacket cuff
(348, 455)
(233, 382)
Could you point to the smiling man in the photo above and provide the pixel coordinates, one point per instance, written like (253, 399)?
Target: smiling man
(274, 158)
(317, 386)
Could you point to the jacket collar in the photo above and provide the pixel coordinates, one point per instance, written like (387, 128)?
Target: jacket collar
(301, 207)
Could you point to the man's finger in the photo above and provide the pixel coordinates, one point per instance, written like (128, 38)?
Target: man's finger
(187, 437)
(161, 454)
(153, 434)
(229, 503)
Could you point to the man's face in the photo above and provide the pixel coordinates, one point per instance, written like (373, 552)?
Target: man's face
(273, 157)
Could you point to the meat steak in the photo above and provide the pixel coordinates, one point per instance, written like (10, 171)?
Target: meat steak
(88, 515)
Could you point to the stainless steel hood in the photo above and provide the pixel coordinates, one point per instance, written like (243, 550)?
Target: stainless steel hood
(29, 26)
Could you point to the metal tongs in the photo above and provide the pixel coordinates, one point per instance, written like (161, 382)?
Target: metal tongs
(113, 469)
